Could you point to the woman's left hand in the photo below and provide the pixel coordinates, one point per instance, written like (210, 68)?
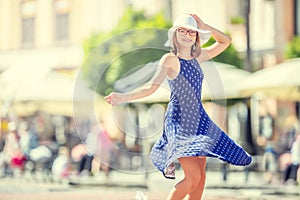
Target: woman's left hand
(116, 98)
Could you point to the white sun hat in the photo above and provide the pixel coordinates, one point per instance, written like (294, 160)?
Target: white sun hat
(187, 21)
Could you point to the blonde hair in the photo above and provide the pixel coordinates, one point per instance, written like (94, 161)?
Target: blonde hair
(195, 49)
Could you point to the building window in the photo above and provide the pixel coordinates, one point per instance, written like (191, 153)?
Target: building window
(62, 20)
(28, 12)
(62, 27)
(28, 35)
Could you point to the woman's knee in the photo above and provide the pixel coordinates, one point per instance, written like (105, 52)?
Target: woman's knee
(194, 170)
(193, 181)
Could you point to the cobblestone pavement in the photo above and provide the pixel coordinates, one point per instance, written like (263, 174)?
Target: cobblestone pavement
(124, 187)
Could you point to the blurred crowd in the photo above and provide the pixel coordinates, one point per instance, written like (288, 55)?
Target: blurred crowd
(54, 147)
(281, 158)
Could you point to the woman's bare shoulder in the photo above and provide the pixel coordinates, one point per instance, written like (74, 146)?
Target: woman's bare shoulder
(169, 59)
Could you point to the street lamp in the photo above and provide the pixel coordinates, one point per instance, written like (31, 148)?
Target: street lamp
(248, 66)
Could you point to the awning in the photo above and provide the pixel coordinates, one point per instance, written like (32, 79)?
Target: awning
(29, 75)
(280, 81)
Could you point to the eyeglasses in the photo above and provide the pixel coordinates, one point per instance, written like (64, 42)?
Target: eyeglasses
(182, 32)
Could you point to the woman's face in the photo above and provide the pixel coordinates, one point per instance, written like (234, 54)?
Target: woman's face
(186, 37)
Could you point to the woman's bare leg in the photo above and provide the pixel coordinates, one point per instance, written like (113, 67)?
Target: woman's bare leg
(192, 179)
(197, 193)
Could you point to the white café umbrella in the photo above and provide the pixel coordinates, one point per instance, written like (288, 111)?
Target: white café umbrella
(280, 81)
(222, 81)
(25, 70)
(54, 93)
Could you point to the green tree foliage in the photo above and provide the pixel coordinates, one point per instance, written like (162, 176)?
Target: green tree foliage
(293, 48)
(136, 41)
(229, 56)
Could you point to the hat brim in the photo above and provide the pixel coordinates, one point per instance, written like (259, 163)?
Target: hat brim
(204, 34)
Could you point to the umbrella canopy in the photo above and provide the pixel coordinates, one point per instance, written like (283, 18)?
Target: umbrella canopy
(280, 81)
(28, 80)
(53, 86)
(55, 93)
(221, 82)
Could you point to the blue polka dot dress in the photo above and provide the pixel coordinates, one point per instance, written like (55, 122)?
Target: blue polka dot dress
(188, 130)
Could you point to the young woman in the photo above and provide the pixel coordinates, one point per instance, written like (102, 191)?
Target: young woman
(189, 134)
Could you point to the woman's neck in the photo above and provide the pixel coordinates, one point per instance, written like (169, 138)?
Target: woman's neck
(184, 53)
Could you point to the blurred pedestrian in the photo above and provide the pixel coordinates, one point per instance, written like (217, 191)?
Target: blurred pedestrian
(98, 152)
(291, 171)
(28, 139)
(61, 167)
(189, 133)
(85, 162)
(270, 163)
(288, 135)
(11, 157)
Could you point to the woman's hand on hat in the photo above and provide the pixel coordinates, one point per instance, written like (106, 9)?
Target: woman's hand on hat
(200, 23)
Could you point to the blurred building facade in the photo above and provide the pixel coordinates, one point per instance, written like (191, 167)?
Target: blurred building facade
(43, 23)
(56, 28)
(40, 24)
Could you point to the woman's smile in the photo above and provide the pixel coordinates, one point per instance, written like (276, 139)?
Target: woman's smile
(186, 40)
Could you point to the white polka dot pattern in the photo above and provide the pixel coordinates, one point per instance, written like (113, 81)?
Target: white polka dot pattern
(188, 130)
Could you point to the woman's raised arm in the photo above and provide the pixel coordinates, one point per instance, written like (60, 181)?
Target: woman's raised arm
(147, 89)
(222, 41)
